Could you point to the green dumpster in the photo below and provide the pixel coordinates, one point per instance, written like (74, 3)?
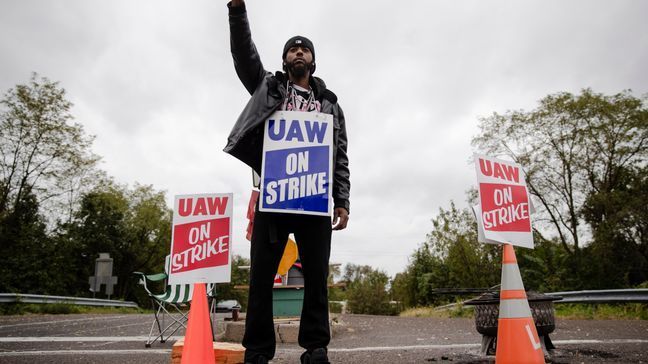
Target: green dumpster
(287, 300)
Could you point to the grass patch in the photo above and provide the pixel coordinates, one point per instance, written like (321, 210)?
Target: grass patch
(335, 307)
(63, 309)
(437, 312)
(567, 311)
(621, 311)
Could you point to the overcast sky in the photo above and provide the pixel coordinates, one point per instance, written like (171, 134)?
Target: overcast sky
(155, 83)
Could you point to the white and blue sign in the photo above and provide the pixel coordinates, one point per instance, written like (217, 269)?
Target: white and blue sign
(296, 172)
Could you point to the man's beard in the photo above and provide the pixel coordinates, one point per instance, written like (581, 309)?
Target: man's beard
(299, 70)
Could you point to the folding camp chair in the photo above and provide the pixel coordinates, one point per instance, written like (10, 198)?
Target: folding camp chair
(211, 300)
(167, 304)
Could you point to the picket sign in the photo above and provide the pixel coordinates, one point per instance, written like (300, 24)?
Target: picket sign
(201, 239)
(504, 212)
(297, 166)
(481, 236)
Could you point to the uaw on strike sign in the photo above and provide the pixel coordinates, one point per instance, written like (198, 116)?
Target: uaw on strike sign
(504, 212)
(297, 163)
(200, 242)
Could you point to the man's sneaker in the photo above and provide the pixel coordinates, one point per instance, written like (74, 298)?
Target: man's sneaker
(317, 356)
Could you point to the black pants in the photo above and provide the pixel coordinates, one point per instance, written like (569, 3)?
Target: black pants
(269, 236)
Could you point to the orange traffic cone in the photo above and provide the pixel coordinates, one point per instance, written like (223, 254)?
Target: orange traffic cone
(198, 345)
(517, 338)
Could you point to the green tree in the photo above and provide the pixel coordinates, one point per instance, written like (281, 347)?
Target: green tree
(399, 289)
(572, 146)
(546, 267)
(578, 151)
(424, 272)
(240, 277)
(450, 257)
(45, 162)
(42, 152)
(335, 293)
(620, 222)
(134, 226)
(367, 290)
(26, 249)
(454, 240)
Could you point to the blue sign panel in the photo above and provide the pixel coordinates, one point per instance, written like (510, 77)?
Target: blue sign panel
(297, 166)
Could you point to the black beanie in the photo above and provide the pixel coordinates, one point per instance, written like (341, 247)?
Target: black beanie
(298, 40)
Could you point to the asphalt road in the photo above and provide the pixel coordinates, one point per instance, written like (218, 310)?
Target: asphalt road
(112, 339)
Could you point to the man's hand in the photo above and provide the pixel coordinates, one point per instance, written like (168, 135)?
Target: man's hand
(236, 3)
(340, 218)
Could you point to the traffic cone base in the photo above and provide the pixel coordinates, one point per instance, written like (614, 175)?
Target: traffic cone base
(198, 347)
(224, 353)
(518, 342)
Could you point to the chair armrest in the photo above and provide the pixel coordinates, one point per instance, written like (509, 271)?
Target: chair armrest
(143, 278)
(156, 277)
(211, 290)
(142, 281)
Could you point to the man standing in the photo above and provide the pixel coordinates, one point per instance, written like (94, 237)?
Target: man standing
(295, 89)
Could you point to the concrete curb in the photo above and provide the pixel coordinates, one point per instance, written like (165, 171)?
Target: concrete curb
(286, 331)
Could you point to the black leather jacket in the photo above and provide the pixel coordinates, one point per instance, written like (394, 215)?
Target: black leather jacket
(268, 91)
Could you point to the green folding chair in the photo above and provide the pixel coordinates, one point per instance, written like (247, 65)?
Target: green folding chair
(169, 317)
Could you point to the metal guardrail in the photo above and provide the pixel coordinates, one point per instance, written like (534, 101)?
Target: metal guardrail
(639, 295)
(36, 298)
(462, 291)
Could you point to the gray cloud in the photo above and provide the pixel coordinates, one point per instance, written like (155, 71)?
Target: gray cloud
(155, 82)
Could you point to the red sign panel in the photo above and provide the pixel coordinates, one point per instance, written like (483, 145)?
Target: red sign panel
(504, 211)
(505, 207)
(200, 244)
(201, 240)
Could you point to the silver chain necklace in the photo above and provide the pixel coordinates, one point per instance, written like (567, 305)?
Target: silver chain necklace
(292, 99)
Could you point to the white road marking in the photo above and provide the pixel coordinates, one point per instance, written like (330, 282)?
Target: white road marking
(60, 321)
(404, 347)
(34, 339)
(85, 352)
(90, 330)
(459, 346)
(610, 341)
(284, 350)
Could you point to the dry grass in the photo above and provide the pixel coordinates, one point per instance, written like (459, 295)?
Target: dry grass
(628, 311)
(439, 312)
(63, 309)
